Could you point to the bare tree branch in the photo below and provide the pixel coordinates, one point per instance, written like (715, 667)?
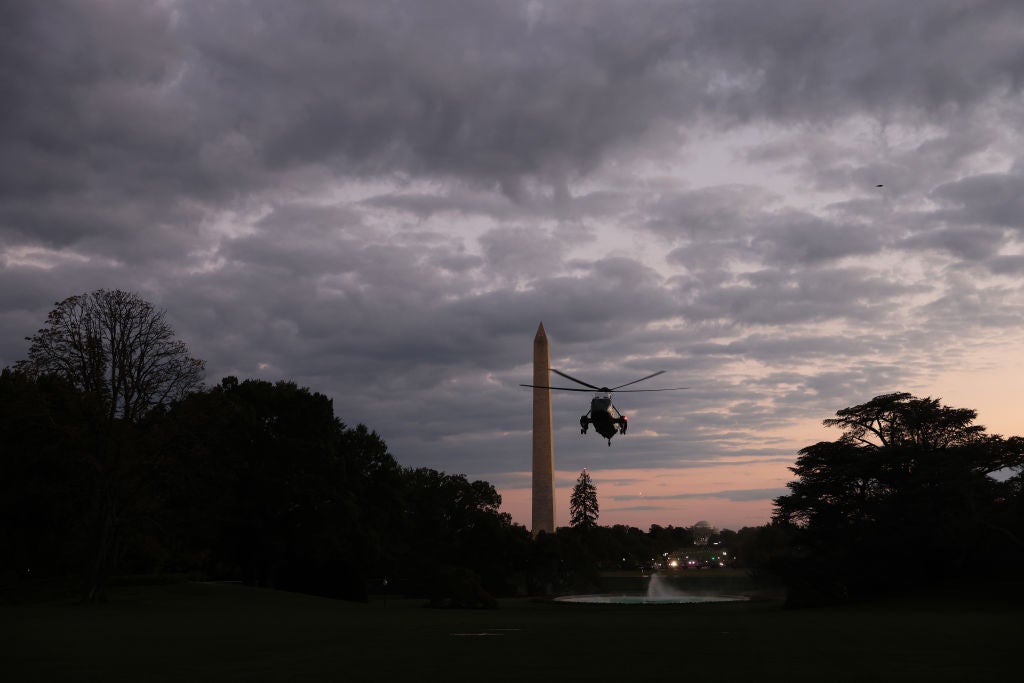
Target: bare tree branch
(118, 347)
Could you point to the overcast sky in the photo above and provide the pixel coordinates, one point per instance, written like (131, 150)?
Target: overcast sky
(790, 207)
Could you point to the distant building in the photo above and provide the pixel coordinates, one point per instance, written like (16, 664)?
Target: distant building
(702, 533)
(704, 554)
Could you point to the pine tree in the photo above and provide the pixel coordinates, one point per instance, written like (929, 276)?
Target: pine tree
(583, 509)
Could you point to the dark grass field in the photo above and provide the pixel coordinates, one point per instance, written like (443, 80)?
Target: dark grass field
(218, 632)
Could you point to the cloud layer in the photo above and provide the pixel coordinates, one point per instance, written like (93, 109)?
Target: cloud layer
(789, 212)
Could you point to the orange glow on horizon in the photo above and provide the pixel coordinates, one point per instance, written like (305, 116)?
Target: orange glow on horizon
(729, 496)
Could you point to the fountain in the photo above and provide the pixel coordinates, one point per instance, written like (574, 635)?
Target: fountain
(659, 592)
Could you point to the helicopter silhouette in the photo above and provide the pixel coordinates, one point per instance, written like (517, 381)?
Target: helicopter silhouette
(603, 415)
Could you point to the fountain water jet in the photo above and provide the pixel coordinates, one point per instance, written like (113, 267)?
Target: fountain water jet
(659, 589)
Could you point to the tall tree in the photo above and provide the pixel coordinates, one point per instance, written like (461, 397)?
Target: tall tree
(121, 355)
(583, 508)
(260, 485)
(118, 348)
(907, 484)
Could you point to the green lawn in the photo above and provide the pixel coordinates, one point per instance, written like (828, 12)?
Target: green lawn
(194, 631)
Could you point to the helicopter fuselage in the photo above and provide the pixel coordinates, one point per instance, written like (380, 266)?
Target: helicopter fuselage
(607, 420)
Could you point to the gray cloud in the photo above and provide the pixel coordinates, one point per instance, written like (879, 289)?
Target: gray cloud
(969, 244)
(988, 198)
(808, 61)
(812, 295)
(807, 240)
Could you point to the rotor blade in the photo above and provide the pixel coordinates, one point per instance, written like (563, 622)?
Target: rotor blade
(637, 391)
(537, 386)
(659, 372)
(559, 372)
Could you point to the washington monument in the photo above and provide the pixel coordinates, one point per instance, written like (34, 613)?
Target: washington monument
(543, 450)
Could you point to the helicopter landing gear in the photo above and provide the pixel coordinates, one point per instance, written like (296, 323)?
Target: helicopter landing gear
(584, 423)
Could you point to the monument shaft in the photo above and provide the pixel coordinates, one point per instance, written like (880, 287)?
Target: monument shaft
(543, 449)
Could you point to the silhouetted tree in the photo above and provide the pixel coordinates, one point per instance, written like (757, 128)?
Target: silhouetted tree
(265, 484)
(117, 348)
(44, 432)
(118, 352)
(583, 507)
(453, 524)
(908, 484)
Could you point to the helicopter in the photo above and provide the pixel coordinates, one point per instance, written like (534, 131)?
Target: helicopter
(603, 415)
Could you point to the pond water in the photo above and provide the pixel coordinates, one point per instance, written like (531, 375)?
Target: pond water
(659, 592)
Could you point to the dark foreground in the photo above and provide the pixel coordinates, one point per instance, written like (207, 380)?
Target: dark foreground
(208, 632)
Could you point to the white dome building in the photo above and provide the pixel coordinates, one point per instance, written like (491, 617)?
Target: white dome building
(702, 532)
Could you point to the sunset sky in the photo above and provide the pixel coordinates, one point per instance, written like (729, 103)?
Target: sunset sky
(790, 207)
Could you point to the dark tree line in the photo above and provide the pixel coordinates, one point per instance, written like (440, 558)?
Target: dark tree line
(303, 502)
(248, 481)
(115, 460)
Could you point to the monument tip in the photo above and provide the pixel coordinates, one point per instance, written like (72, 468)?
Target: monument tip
(540, 331)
